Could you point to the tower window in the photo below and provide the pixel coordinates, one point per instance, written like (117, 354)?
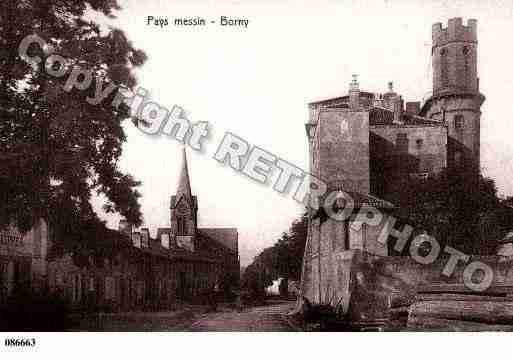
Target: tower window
(466, 65)
(459, 121)
(419, 142)
(180, 222)
(443, 68)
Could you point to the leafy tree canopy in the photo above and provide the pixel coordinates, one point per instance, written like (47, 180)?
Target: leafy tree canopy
(56, 148)
(284, 259)
(466, 215)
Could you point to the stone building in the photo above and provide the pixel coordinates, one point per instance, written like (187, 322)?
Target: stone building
(183, 263)
(23, 258)
(132, 270)
(369, 145)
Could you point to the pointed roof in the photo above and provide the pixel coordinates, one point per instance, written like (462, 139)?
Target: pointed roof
(184, 183)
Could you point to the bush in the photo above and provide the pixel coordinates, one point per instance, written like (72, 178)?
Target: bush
(27, 310)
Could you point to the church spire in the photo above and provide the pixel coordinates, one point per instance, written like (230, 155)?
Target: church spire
(184, 184)
(184, 209)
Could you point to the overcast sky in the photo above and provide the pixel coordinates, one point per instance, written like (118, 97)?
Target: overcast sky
(256, 83)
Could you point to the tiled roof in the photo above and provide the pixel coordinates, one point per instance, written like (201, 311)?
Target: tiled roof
(228, 237)
(207, 250)
(384, 116)
(364, 200)
(364, 95)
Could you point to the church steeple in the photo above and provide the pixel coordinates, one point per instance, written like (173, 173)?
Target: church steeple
(184, 210)
(184, 183)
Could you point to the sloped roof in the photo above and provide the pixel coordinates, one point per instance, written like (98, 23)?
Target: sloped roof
(228, 237)
(362, 200)
(184, 183)
(207, 251)
(377, 115)
(384, 116)
(339, 101)
(508, 238)
(174, 201)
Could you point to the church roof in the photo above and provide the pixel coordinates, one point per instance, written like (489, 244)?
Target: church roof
(184, 183)
(174, 201)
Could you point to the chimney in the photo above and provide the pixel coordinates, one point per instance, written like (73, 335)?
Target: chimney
(125, 227)
(413, 107)
(389, 97)
(378, 100)
(164, 238)
(136, 239)
(145, 237)
(354, 94)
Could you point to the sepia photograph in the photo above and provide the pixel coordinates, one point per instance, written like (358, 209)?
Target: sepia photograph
(240, 166)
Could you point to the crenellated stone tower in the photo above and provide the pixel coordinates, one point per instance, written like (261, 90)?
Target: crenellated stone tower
(456, 99)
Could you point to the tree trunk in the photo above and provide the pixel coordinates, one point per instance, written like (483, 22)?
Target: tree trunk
(480, 311)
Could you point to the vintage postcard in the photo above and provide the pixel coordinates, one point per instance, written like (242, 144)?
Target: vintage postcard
(254, 166)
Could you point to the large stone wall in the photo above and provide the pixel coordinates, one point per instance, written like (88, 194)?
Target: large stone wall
(341, 150)
(364, 287)
(462, 116)
(424, 150)
(329, 255)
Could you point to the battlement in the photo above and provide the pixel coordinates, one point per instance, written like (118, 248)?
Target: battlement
(454, 32)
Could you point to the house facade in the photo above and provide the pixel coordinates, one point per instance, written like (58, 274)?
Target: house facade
(133, 271)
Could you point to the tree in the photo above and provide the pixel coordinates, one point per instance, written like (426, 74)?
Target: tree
(56, 148)
(283, 259)
(456, 212)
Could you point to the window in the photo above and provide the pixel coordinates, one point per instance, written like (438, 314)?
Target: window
(419, 142)
(419, 176)
(346, 234)
(110, 288)
(180, 225)
(459, 121)
(457, 159)
(466, 66)
(443, 68)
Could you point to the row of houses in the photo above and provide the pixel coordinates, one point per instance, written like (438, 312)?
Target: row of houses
(129, 269)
